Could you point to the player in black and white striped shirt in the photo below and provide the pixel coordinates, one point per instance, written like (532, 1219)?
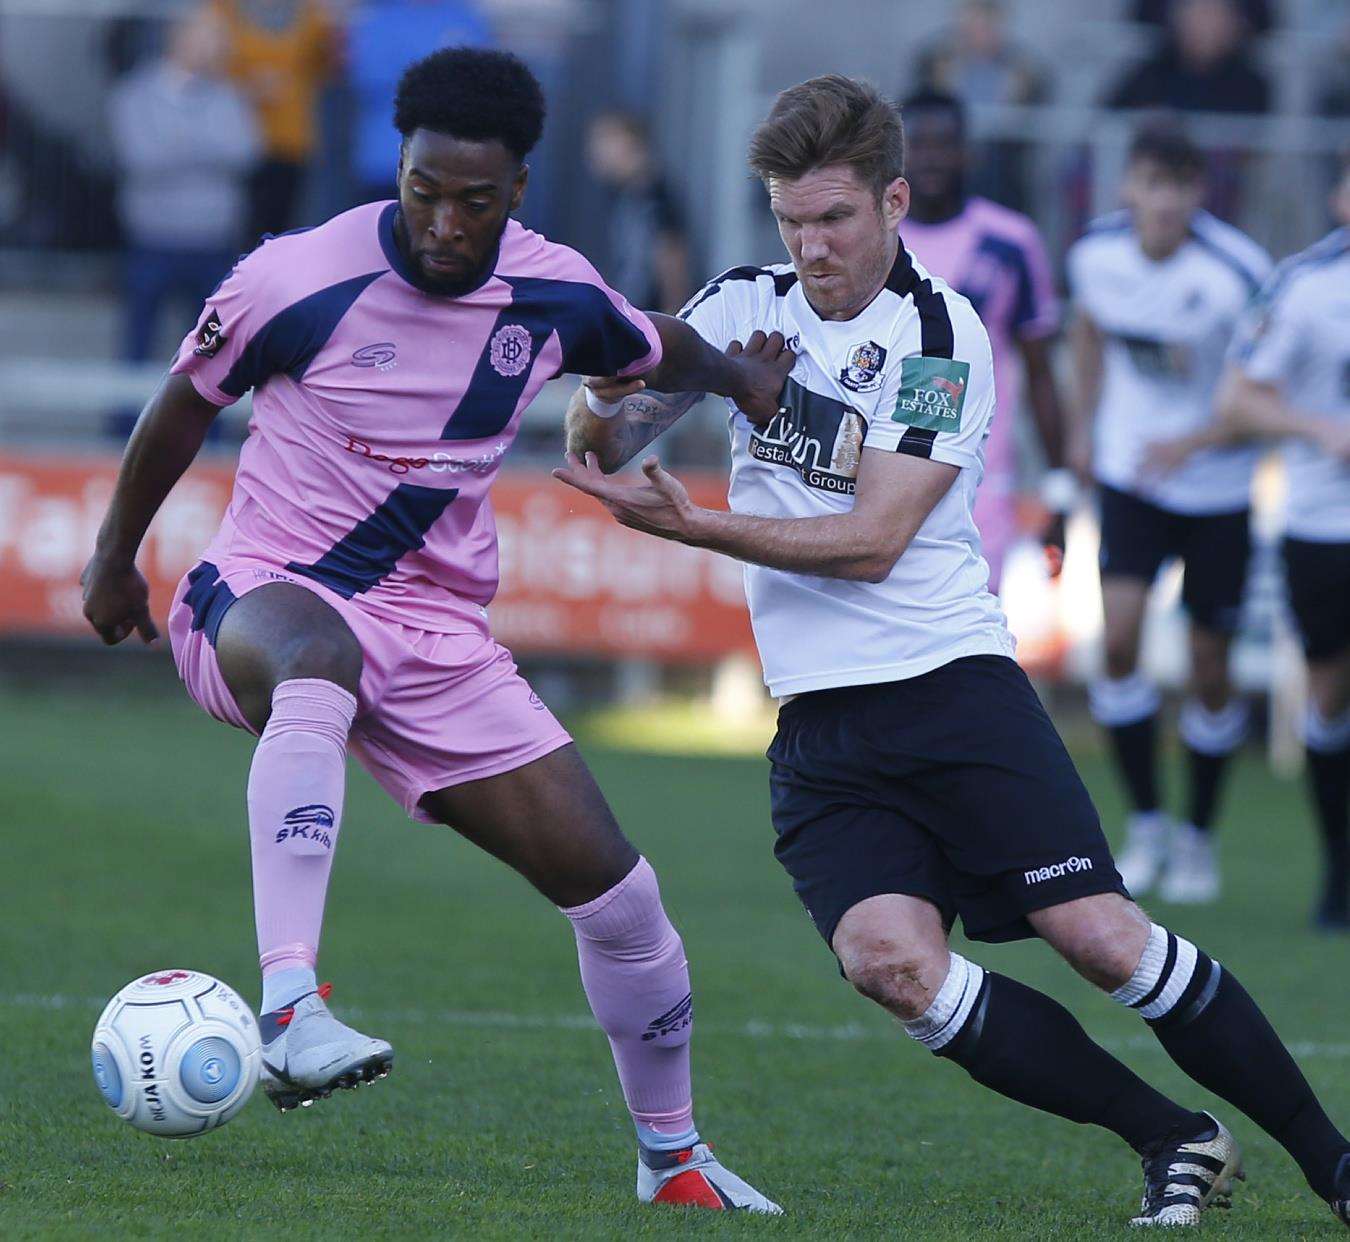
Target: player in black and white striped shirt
(915, 776)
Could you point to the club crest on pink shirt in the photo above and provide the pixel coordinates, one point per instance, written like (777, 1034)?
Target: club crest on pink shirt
(510, 350)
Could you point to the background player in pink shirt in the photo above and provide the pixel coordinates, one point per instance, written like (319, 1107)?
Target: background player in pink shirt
(996, 258)
(391, 352)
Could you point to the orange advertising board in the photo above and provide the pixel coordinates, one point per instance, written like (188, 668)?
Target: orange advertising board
(573, 581)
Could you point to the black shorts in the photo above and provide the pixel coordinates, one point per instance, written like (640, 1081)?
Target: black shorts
(1319, 594)
(1137, 537)
(952, 786)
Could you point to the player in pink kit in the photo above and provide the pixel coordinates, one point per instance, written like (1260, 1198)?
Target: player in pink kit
(995, 257)
(391, 352)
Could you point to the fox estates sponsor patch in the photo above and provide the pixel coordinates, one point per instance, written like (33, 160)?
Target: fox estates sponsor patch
(932, 393)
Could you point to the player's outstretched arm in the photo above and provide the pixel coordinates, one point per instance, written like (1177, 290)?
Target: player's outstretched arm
(896, 493)
(752, 376)
(616, 418)
(633, 420)
(1250, 408)
(167, 437)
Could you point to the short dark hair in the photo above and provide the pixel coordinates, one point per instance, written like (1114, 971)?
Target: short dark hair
(930, 100)
(1163, 140)
(831, 120)
(472, 93)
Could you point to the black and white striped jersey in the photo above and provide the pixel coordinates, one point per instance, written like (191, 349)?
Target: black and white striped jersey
(912, 373)
(1167, 324)
(1297, 336)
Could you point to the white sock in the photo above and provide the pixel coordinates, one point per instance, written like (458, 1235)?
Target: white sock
(285, 987)
(942, 1021)
(1164, 970)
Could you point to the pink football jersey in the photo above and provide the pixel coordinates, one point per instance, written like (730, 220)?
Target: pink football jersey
(381, 413)
(995, 257)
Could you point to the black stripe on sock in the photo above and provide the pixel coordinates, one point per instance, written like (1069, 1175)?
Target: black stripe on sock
(1196, 997)
(1169, 962)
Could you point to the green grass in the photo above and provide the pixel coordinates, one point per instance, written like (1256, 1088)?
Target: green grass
(126, 850)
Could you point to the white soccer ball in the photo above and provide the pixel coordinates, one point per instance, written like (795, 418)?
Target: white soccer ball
(176, 1053)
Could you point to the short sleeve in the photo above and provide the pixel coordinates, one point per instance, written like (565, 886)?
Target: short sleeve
(226, 326)
(1268, 343)
(936, 406)
(1036, 310)
(611, 337)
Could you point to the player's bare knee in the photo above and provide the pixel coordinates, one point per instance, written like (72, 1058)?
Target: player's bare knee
(1120, 654)
(900, 978)
(1101, 937)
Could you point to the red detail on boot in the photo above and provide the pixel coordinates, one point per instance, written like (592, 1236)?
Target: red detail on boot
(691, 1189)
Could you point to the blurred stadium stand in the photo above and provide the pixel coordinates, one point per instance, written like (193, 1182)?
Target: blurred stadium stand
(701, 72)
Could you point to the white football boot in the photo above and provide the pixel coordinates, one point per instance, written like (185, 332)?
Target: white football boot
(694, 1177)
(1184, 1179)
(1142, 858)
(1192, 875)
(307, 1054)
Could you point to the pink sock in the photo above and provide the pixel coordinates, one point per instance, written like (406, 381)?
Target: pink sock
(637, 981)
(295, 791)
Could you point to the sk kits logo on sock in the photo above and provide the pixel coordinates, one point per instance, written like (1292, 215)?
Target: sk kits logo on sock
(862, 368)
(932, 393)
(676, 1018)
(209, 337)
(312, 823)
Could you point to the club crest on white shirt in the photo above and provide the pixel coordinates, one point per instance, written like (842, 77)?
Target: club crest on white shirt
(509, 351)
(863, 366)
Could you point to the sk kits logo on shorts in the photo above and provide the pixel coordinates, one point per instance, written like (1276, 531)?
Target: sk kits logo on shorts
(862, 367)
(510, 350)
(209, 336)
(932, 393)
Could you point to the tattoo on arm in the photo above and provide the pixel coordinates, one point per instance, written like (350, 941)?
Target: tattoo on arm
(643, 417)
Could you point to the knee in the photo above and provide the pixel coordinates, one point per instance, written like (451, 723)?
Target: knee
(901, 979)
(1104, 953)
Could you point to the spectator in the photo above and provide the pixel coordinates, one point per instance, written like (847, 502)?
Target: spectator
(183, 141)
(1260, 20)
(645, 251)
(1204, 65)
(384, 37)
(280, 52)
(981, 65)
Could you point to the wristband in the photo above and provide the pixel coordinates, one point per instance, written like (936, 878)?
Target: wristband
(1059, 490)
(601, 408)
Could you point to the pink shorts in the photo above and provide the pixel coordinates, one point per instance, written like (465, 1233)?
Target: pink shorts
(433, 709)
(995, 517)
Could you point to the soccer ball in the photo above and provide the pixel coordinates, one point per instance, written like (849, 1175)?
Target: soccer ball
(176, 1053)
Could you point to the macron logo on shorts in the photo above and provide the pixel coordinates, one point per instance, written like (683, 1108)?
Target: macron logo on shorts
(1053, 872)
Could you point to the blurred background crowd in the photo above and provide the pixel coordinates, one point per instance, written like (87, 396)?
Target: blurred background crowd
(146, 143)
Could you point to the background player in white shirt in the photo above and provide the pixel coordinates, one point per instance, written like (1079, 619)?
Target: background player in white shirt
(1290, 377)
(1157, 290)
(915, 775)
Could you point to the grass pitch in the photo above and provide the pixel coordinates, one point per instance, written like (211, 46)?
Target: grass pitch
(125, 850)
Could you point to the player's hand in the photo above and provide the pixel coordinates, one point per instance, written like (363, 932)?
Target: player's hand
(117, 601)
(659, 505)
(1052, 541)
(764, 363)
(1162, 457)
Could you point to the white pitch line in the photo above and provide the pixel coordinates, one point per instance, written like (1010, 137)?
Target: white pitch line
(494, 1019)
